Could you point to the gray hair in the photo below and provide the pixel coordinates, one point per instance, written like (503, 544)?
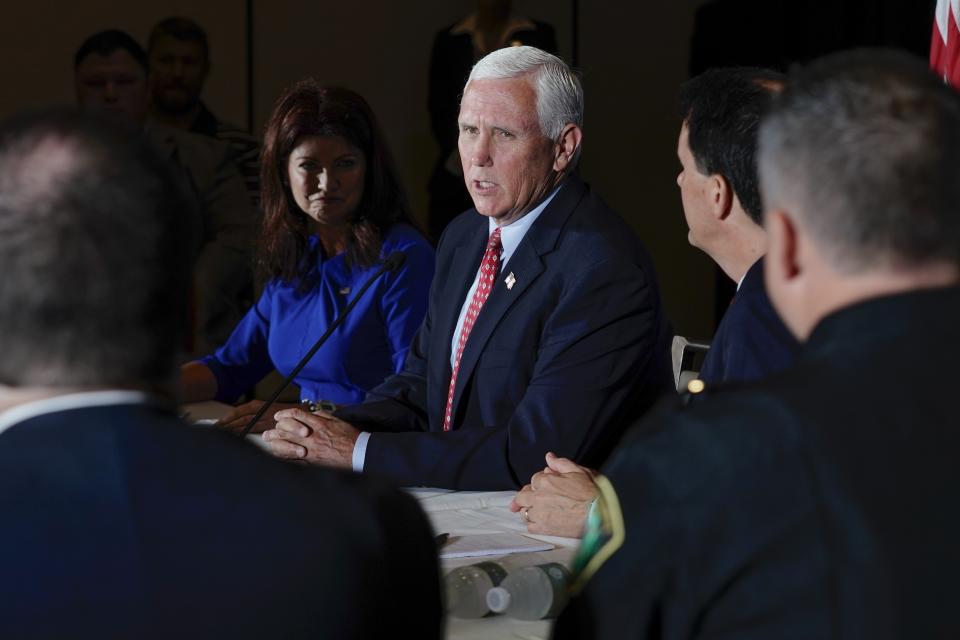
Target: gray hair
(863, 147)
(559, 92)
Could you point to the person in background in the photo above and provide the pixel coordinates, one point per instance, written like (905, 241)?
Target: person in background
(334, 208)
(179, 58)
(456, 49)
(814, 503)
(119, 520)
(110, 77)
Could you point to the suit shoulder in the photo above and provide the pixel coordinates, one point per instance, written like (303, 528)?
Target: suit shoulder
(723, 414)
(596, 232)
(464, 225)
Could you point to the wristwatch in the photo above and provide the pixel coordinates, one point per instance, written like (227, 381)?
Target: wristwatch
(317, 405)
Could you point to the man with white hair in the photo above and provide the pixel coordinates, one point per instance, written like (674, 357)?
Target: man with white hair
(545, 329)
(818, 503)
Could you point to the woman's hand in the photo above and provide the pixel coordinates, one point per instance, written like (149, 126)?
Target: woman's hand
(237, 419)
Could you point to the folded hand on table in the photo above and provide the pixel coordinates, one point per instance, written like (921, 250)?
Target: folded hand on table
(237, 418)
(557, 499)
(317, 438)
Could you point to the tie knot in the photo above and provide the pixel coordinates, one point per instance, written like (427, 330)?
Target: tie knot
(494, 243)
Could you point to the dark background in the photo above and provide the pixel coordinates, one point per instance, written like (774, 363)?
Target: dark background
(633, 56)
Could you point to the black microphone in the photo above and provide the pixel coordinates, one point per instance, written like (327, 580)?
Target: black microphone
(392, 262)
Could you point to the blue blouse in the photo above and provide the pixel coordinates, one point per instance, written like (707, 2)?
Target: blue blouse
(368, 346)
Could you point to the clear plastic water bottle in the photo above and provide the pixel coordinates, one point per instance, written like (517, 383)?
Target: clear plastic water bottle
(531, 593)
(467, 587)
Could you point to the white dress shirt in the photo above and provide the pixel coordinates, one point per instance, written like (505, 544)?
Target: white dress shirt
(83, 400)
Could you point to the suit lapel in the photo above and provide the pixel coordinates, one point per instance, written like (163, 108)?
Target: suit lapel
(525, 265)
(463, 265)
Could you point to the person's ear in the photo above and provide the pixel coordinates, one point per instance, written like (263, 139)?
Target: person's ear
(783, 245)
(721, 197)
(566, 147)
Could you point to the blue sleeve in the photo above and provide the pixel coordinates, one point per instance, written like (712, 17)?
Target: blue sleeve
(404, 302)
(244, 359)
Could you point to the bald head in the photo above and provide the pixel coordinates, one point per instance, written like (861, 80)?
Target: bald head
(95, 267)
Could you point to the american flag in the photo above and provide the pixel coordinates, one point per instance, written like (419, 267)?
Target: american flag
(945, 44)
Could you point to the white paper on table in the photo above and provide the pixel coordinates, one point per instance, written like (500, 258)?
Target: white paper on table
(491, 544)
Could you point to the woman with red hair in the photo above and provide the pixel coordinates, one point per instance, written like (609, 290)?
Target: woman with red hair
(333, 209)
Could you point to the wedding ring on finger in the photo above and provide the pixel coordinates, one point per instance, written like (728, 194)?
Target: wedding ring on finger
(525, 512)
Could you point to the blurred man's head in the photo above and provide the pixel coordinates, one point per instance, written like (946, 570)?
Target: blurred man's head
(179, 59)
(858, 170)
(721, 111)
(110, 76)
(95, 264)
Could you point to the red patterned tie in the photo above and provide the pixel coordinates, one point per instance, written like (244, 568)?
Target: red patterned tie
(488, 274)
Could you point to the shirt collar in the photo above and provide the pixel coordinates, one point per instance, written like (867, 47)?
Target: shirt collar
(512, 234)
(66, 402)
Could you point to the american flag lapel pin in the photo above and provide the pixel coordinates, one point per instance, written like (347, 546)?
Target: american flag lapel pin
(510, 280)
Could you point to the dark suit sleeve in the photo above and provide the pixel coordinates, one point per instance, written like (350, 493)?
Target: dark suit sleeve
(594, 346)
(721, 533)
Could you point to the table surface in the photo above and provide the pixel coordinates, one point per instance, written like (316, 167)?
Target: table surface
(470, 512)
(462, 513)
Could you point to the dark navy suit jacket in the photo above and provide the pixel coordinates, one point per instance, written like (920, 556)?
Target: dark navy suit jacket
(561, 361)
(122, 522)
(751, 342)
(817, 503)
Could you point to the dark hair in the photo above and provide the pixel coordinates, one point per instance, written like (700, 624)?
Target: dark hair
(722, 109)
(96, 267)
(308, 109)
(106, 42)
(864, 147)
(182, 29)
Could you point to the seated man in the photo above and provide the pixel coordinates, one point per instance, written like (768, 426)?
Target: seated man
(816, 503)
(179, 57)
(719, 189)
(544, 329)
(120, 521)
(110, 71)
(721, 112)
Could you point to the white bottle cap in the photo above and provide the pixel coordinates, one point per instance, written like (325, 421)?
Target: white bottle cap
(498, 599)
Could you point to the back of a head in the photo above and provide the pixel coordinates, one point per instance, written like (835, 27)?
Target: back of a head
(863, 148)
(96, 265)
(722, 110)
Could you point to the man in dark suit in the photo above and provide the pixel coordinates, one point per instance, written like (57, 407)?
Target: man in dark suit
(816, 503)
(554, 342)
(721, 112)
(119, 520)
